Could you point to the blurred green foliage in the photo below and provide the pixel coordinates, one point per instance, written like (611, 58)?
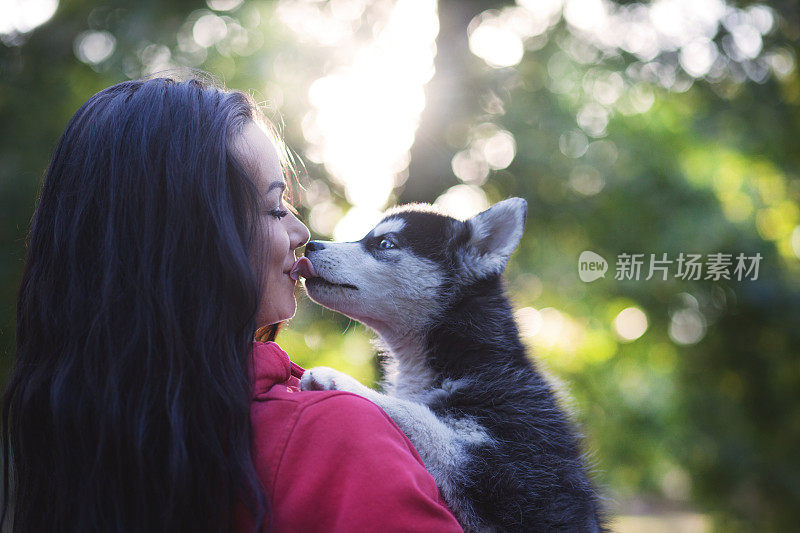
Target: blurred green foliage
(700, 164)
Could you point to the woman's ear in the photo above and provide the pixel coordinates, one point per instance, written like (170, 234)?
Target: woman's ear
(494, 235)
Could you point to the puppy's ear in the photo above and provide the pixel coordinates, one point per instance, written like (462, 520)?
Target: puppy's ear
(494, 235)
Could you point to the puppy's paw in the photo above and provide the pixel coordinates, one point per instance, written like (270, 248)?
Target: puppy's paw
(324, 378)
(319, 378)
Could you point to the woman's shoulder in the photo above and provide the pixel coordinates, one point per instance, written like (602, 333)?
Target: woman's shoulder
(339, 460)
(327, 417)
(279, 403)
(341, 413)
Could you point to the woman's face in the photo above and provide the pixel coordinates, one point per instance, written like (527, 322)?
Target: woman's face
(283, 232)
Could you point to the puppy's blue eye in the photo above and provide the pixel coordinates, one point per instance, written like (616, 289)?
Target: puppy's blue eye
(385, 244)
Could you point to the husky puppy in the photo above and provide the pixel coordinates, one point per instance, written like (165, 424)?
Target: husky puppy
(486, 424)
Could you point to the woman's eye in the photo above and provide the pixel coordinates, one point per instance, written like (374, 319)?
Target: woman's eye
(385, 244)
(277, 213)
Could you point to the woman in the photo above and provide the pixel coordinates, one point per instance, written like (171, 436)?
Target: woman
(139, 401)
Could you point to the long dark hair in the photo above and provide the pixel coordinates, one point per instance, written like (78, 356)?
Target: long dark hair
(128, 407)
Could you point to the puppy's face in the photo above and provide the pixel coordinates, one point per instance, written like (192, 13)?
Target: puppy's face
(400, 275)
(392, 277)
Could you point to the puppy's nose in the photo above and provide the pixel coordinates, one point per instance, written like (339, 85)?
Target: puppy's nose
(312, 246)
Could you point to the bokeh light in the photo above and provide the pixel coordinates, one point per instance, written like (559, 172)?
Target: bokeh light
(698, 56)
(499, 149)
(22, 16)
(224, 5)
(324, 216)
(586, 180)
(366, 109)
(495, 45)
(356, 223)
(463, 201)
(209, 30)
(573, 144)
(558, 334)
(94, 47)
(630, 324)
(529, 321)
(470, 167)
(687, 326)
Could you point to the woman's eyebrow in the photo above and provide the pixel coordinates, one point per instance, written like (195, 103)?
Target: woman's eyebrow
(275, 185)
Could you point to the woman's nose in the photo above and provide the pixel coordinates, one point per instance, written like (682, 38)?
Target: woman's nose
(300, 233)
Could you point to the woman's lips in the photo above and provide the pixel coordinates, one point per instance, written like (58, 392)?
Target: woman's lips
(302, 267)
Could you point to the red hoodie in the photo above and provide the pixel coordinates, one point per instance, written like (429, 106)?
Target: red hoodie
(334, 462)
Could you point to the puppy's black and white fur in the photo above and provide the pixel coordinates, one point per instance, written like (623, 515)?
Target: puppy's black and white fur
(459, 383)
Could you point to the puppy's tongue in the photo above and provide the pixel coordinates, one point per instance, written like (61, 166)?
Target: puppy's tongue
(302, 267)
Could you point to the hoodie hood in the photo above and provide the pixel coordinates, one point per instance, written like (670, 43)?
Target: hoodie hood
(271, 366)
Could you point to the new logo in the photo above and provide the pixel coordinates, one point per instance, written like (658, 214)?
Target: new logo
(591, 266)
